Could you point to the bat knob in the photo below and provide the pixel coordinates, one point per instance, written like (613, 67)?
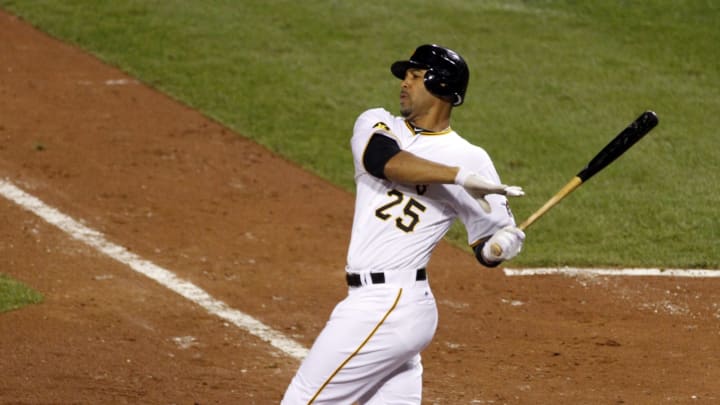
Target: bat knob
(496, 250)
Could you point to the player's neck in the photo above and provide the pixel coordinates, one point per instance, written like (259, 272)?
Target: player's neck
(436, 119)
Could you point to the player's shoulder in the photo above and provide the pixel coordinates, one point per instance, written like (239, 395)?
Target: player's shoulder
(374, 116)
(378, 120)
(470, 152)
(468, 145)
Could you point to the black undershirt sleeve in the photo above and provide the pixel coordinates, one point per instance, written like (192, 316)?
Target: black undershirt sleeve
(379, 150)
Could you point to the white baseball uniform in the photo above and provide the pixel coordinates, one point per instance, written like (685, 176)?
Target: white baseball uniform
(369, 351)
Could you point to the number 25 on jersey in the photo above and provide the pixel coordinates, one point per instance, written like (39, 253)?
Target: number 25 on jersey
(411, 211)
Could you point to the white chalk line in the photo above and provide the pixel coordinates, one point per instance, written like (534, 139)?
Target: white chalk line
(631, 272)
(163, 276)
(218, 308)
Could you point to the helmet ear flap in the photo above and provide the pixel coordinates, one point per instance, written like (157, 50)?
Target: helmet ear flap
(439, 85)
(436, 84)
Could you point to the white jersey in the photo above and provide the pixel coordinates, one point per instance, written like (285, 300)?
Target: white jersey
(397, 226)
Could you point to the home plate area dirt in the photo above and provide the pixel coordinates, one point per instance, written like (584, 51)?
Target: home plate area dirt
(269, 239)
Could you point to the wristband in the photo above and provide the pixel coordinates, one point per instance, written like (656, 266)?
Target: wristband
(462, 176)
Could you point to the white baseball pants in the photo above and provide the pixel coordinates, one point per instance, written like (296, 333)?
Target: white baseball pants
(369, 350)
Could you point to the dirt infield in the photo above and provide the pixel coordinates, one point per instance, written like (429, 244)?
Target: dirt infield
(269, 239)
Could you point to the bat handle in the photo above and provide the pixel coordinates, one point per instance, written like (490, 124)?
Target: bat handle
(576, 181)
(495, 249)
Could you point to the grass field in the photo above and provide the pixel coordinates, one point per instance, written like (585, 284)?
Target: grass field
(551, 83)
(14, 294)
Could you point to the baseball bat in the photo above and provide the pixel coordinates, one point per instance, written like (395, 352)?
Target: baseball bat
(621, 143)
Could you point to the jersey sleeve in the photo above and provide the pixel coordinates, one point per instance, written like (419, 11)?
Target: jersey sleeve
(368, 123)
(478, 223)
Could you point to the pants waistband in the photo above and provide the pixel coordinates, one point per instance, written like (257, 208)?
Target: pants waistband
(389, 277)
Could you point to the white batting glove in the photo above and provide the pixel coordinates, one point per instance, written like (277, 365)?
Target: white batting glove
(504, 244)
(479, 186)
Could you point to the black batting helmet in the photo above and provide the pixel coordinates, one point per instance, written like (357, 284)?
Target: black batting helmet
(447, 73)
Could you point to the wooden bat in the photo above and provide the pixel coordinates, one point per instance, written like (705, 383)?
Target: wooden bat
(621, 143)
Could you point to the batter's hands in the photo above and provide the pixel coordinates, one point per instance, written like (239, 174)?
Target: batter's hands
(479, 186)
(509, 239)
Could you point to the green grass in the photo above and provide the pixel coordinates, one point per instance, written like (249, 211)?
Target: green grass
(551, 83)
(14, 294)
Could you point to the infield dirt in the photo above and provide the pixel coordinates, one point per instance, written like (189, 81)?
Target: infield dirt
(269, 239)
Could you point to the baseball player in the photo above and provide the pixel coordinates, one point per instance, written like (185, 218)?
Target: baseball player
(414, 177)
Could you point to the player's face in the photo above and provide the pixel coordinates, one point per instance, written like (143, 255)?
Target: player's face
(414, 98)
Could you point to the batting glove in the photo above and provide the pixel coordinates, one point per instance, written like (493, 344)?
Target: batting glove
(479, 186)
(504, 244)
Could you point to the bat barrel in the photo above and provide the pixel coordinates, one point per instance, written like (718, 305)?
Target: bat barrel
(622, 142)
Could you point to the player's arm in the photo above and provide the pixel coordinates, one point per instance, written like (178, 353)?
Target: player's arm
(384, 159)
(408, 168)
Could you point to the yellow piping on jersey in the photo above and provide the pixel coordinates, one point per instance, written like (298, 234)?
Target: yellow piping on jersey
(430, 133)
(479, 241)
(367, 339)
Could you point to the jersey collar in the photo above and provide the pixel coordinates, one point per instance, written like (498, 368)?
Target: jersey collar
(423, 131)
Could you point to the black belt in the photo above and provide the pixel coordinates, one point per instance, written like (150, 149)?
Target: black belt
(354, 280)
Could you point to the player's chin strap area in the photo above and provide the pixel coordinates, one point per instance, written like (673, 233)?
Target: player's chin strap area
(395, 277)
